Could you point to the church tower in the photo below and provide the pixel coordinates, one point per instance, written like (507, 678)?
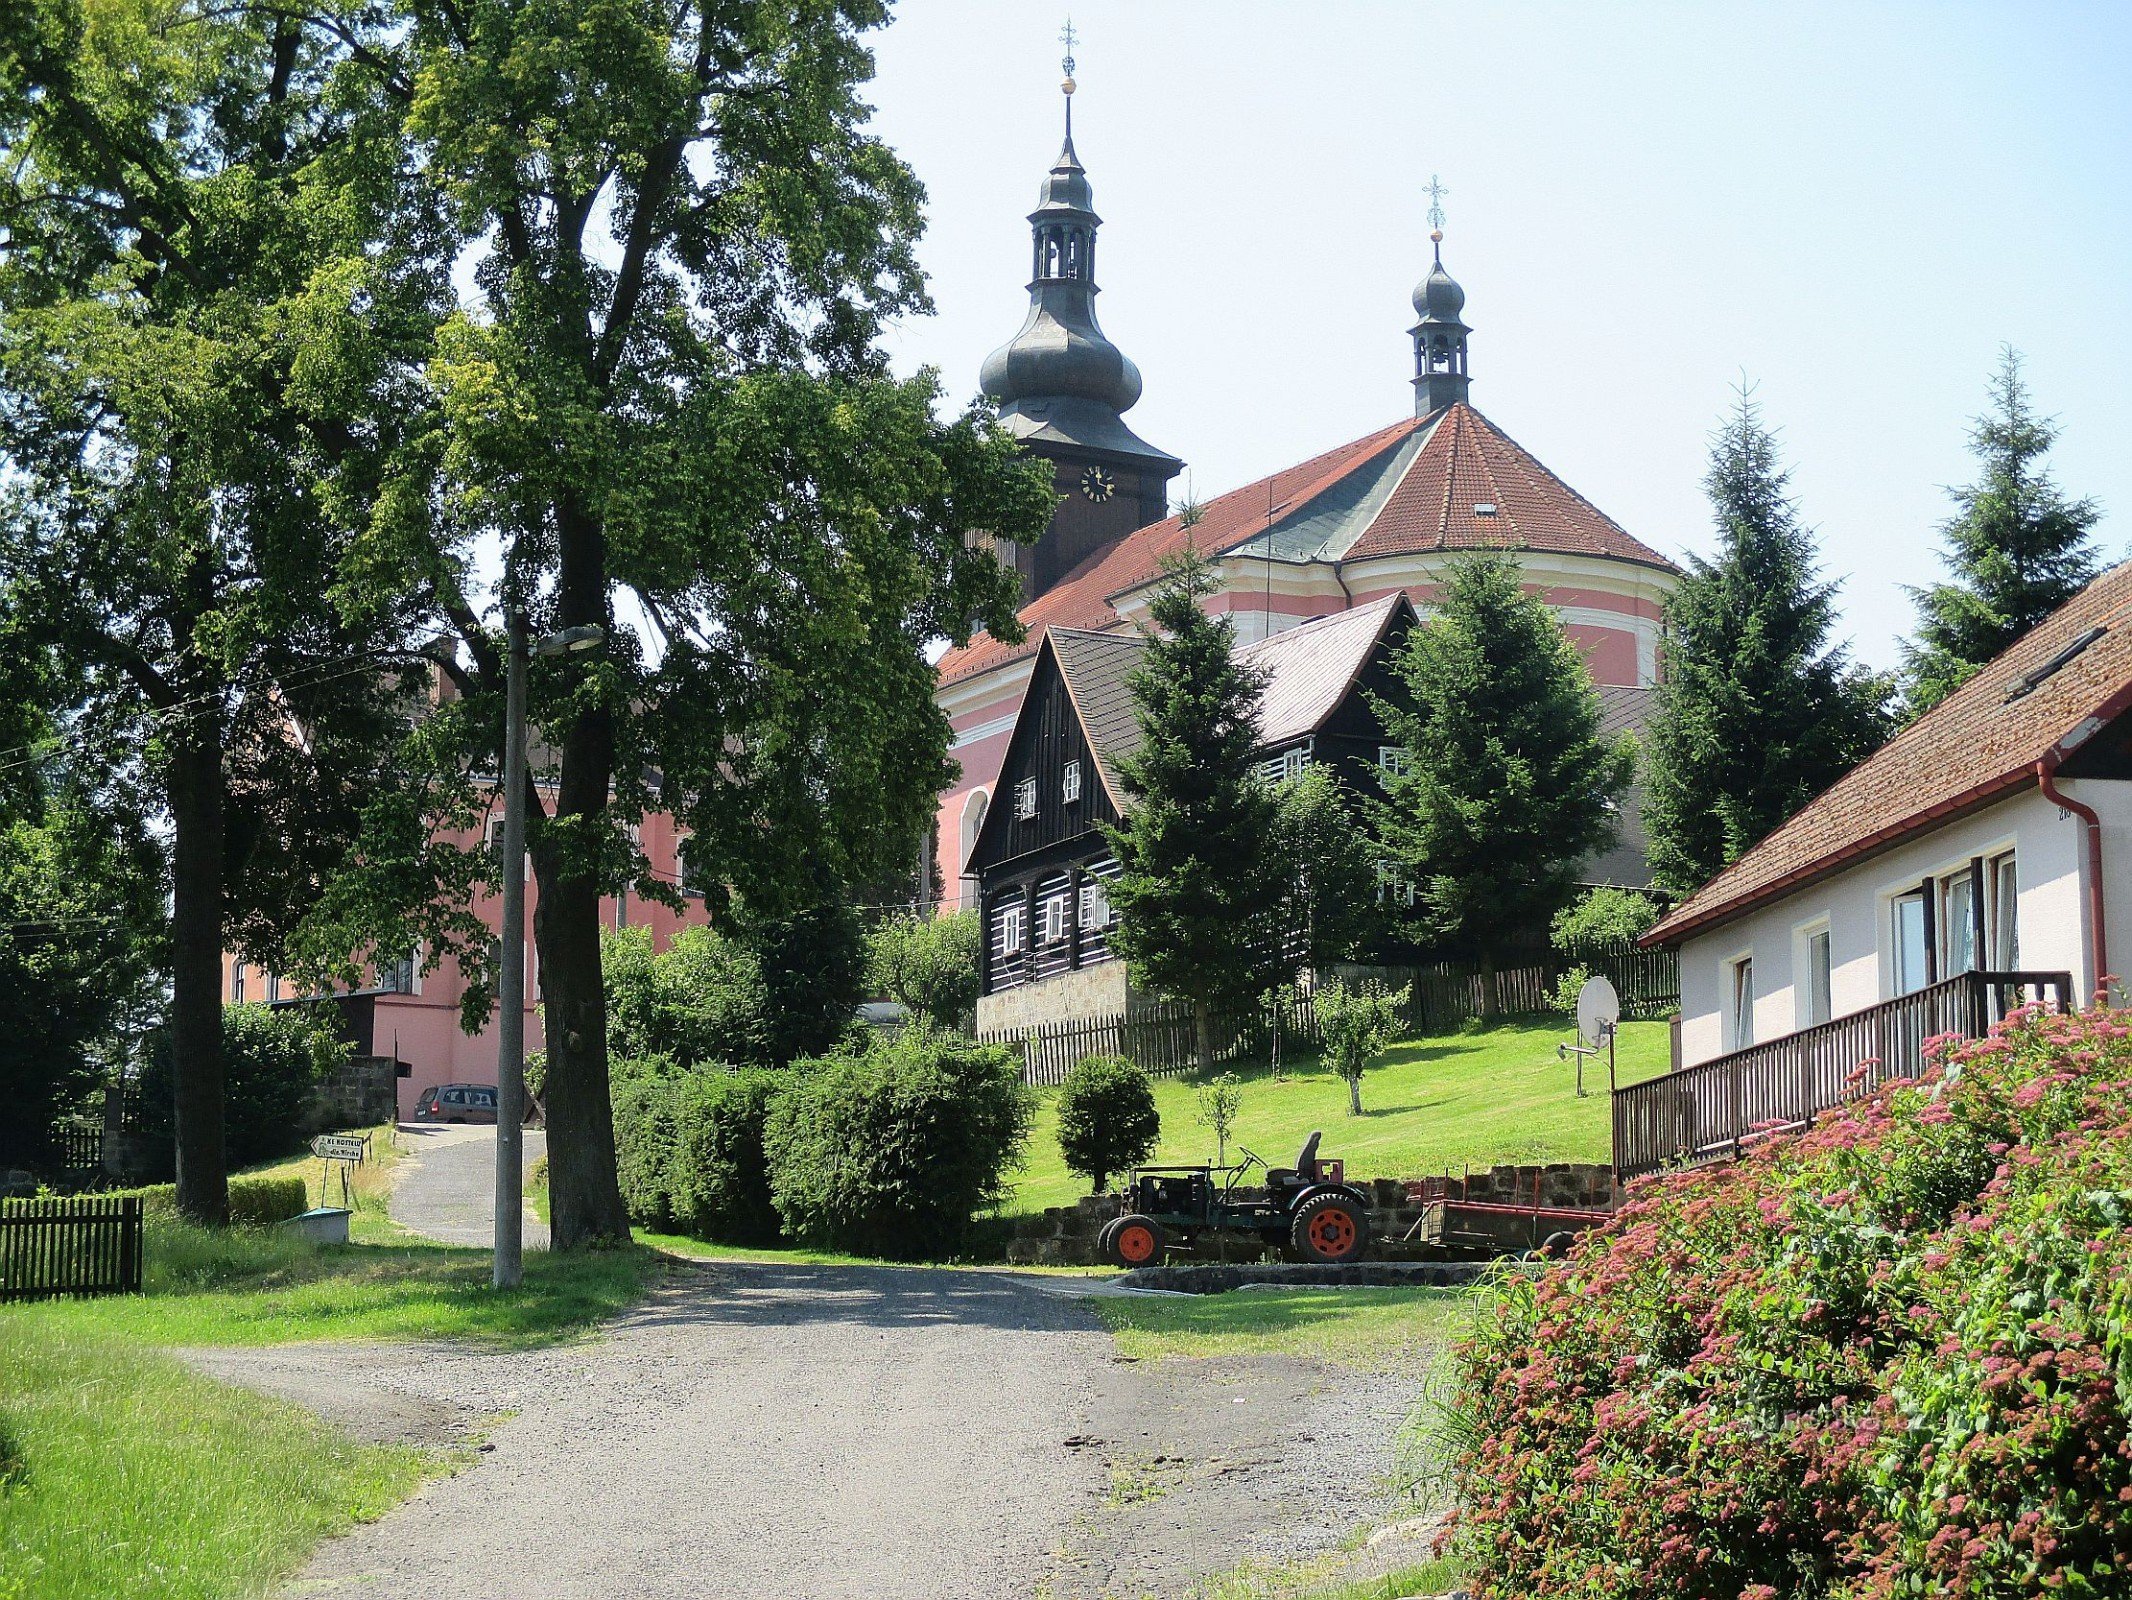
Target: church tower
(1062, 387)
(1440, 377)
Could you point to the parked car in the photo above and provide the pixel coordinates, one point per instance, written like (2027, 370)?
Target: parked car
(457, 1102)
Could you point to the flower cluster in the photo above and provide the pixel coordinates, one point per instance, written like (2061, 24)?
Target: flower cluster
(1889, 1355)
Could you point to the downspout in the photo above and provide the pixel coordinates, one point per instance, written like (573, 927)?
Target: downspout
(2046, 780)
(1347, 595)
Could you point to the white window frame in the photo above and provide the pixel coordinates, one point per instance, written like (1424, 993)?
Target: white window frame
(1051, 918)
(1394, 760)
(236, 983)
(1805, 937)
(1095, 906)
(1070, 782)
(1393, 885)
(1898, 978)
(1011, 931)
(1025, 799)
(2002, 926)
(1739, 1002)
(683, 838)
(492, 842)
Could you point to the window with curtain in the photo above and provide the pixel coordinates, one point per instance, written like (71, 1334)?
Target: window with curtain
(1819, 1006)
(1742, 1033)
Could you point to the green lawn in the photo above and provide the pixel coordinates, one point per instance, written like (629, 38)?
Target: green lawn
(1379, 1329)
(1494, 1096)
(134, 1477)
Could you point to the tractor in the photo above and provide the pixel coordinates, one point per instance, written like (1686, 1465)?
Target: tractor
(1309, 1210)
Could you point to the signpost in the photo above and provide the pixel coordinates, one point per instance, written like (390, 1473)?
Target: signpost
(348, 1150)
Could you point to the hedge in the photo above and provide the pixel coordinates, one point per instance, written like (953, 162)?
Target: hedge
(891, 1152)
(253, 1202)
(689, 1150)
(1890, 1355)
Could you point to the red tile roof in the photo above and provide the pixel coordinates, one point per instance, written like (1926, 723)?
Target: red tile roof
(1462, 460)
(1979, 745)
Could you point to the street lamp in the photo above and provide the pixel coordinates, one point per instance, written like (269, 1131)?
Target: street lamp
(509, 1264)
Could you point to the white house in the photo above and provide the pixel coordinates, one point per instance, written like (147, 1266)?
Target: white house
(1994, 833)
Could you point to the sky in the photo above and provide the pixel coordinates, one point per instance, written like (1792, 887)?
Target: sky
(1851, 207)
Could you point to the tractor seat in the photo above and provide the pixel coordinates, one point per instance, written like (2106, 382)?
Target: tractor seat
(1304, 1171)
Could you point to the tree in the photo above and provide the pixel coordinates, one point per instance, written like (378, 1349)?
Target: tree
(1199, 889)
(1107, 1118)
(1220, 1098)
(1756, 711)
(211, 330)
(1328, 870)
(813, 965)
(699, 1002)
(928, 965)
(1509, 784)
(684, 249)
(2018, 548)
(1603, 916)
(1358, 1025)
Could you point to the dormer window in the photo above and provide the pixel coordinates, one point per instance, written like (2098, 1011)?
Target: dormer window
(1025, 799)
(1070, 782)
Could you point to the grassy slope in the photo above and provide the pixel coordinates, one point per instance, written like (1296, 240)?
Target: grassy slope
(1432, 1104)
(140, 1479)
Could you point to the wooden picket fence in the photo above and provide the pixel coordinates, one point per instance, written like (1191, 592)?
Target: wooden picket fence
(1160, 1038)
(87, 1244)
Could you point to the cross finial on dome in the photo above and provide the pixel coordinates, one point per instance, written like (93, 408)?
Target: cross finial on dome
(1069, 39)
(1436, 192)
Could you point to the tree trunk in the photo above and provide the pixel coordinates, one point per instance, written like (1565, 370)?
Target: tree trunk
(196, 803)
(584, 1195)
(1203, 1032)
(1354, 1097)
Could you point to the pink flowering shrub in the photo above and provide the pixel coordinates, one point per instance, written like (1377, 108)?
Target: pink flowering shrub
(1890, 1355)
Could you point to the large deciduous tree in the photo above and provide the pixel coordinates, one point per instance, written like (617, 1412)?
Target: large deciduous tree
(1199, 887)
(668, 403)
(2017, 548)
(1757, 711)
(208, 347)
(1509, 783)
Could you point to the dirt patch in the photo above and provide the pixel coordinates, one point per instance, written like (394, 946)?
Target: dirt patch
(1215, 1462)
(364, 1390)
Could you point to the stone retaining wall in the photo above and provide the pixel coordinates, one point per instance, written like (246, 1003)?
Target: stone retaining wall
(363, 1093)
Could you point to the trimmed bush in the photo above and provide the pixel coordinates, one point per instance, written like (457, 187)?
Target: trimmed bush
(1107, 1118)
(1890, 1355)
(253, 1202)
(690, 1150)
(891, 1152)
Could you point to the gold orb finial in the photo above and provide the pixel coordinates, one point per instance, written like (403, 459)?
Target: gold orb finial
(1066, 87)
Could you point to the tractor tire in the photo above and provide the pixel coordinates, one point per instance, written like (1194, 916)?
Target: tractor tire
(1103, 1237)
(1136, 1241)
(1330, 1229)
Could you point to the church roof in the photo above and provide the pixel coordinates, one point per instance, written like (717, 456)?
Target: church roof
(1410, 488)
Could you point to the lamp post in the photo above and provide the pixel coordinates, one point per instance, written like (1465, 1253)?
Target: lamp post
(509, 1263)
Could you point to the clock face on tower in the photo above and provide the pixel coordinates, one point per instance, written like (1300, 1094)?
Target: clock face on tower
(1098, 485)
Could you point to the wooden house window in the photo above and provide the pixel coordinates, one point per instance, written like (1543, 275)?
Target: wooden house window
(1289, 765)
(1070, 782)
(1095, 906)
(1025, 799)
(1394, 887)
(1010, 929)
(1394, 760)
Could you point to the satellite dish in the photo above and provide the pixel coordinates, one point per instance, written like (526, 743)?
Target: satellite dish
(1598, 1009)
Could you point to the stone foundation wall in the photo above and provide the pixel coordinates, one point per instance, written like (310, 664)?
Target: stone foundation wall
(1097, 991)
(1066, 1235)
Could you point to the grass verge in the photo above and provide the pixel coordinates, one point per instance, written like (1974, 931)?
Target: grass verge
(1494, 1095)
(1311, 1581)
(1375, 1329)
(248, 1287)
(137, 1478)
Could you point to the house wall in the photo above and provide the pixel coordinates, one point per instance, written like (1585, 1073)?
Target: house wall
(2050, 862)
(422, 1028)
(1094, 991)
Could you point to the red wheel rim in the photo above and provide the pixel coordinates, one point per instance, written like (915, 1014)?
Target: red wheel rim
(1136, 1243)
(1332, 1232)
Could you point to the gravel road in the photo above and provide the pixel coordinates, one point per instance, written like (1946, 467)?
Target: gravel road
(766, 1429)
(447, 1184)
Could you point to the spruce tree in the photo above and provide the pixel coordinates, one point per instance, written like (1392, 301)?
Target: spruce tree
(1509, 783)
(2018, 548)
(1757, 712)
(1198, 893)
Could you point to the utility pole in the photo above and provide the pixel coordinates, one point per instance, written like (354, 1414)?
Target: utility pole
(509, 1265)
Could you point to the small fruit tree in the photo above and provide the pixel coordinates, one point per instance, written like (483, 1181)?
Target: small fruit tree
(1358, 1024)
(1220, 1098)
(1107, 1118)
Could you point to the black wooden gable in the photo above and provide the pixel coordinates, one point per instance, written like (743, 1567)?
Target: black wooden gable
(1050, 772)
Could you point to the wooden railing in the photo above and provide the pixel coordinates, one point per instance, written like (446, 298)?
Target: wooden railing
(1721, 1106)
